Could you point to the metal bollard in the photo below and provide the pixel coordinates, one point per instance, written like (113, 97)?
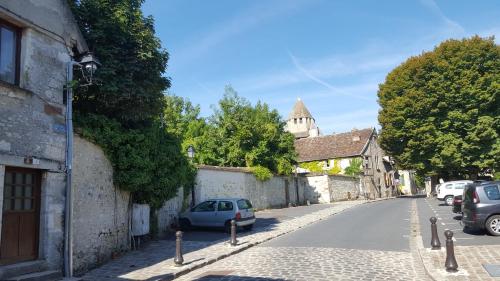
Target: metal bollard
(233, 241)
(435, 243)
(178, 260)
(451, 263)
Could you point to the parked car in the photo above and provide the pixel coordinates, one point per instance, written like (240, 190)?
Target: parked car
(457, 204)
(219, 213)
(481, 206)
(450, 189)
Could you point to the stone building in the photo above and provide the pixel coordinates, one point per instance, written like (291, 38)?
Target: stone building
(333, 154)
(301, 123)
(38, 39)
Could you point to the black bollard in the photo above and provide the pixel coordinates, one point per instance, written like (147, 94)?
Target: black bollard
(435, 243)
(451, 263)
(233, 241)
(178, 260)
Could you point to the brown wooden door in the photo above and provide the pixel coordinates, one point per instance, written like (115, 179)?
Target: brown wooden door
(20, 216)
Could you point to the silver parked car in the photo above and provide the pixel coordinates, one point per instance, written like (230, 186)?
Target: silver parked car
(219, 213)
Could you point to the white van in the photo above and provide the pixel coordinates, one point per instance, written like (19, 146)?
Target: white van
(450, 189)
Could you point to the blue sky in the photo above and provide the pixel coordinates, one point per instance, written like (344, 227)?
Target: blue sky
(331, 54)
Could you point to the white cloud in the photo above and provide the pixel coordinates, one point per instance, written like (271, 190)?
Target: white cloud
(451, 27)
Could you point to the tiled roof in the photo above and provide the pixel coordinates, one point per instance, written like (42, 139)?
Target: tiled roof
(333, 146)
(299, 111)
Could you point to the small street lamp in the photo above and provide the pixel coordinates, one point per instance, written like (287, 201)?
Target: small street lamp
(87, 64)
(190, 153)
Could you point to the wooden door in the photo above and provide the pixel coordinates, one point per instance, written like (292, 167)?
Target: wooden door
(20, 216)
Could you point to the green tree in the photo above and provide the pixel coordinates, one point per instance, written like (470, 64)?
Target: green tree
(441, 110)
(354, 168)
(133, 62)
(241, 135)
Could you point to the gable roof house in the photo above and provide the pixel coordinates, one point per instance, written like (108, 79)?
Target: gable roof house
(338, 151)
(37, 41)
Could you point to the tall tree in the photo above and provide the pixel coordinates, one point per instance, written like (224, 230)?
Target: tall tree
(133, 61)
(441, 110)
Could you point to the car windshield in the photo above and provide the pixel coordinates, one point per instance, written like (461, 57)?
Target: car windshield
(244, 204)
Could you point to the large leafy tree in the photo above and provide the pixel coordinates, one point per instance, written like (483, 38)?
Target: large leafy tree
(441, 110)
(124, 114)
(237, 134)
(133, 62)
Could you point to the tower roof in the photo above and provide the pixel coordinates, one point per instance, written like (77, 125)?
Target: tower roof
(299, 111)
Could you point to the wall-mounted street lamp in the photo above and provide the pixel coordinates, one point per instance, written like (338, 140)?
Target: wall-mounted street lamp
(87, 64)
(191, 152)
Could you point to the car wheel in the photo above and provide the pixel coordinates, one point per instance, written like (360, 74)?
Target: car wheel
(248, 227)
(493, 225)
(184, 224)
(448, 200)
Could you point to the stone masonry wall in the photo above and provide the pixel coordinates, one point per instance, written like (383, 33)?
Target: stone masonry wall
(100, 210)
(343, 188)
(218, 182)
(329, 188)
(169, 212)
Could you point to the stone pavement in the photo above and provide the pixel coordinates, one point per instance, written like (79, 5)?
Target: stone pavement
(470, 259)
(310, 263)
(155, 261)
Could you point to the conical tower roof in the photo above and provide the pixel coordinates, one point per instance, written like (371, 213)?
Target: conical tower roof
(299, 111)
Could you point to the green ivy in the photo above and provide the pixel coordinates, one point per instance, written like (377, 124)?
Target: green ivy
(336, 169)
(313, 166)
(262, 173)
(355, 167)
(147, 162)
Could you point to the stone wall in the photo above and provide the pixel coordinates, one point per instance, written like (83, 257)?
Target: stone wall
(223, 182)
(169, 212)
(100, 210)
(322, 188)
(343, 188)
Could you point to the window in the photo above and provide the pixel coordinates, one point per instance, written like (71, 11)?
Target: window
(492, 192)
(9, 53)
(207, 206)
(448, 186)
(295, 120)
(459, 186)
(225, 206)
(327, 163)
(244, 204)
(300, 120)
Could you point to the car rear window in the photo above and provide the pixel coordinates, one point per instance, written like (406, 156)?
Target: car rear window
(244, 204)
(492, 192)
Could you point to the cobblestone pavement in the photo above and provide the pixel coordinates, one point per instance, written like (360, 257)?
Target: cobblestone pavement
(155, 261)
(470, 259)
(295, 263)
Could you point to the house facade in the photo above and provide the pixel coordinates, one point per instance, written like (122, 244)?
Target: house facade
(353, 153)
(38, 39)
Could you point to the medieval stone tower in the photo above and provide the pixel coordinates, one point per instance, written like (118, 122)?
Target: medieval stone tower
(301, 123)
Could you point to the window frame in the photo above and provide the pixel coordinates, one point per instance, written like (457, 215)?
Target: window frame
(18, 33)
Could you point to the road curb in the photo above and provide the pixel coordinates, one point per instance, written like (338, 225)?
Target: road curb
(255, 243)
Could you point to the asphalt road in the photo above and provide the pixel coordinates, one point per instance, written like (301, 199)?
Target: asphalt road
(428, 207)
(264, 218)
(382, 225)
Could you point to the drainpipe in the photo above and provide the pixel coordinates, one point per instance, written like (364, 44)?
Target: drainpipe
(68, 210)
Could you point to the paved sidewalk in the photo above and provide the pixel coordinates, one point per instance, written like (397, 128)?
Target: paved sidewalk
(155, 261)
(470, 259)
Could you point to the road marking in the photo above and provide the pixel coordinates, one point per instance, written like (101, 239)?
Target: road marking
(468, 238)
(406, 219)
(443, 223)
